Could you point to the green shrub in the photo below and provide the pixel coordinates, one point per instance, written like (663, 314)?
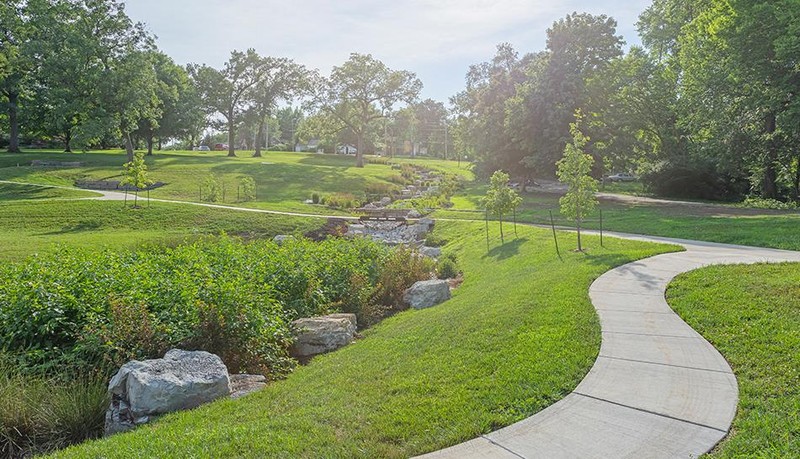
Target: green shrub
(433, 239)
(315, 198)
(211, 190)
(341, 201)
(399, 179)
(82, 309)
(247, 188)
(447, 267)
(400, 270)
(380, 189)
(762, 203)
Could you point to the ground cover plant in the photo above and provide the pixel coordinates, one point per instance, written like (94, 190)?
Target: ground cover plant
(750, 314)
(420, 380)
(43, 226)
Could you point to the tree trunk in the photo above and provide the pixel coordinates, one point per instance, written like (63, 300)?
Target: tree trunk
(129, 146)
(578, 225)
(796, 184)
(231, 135)
(149, 145)
(770, 187)
(360, 150)
(13, 122)
(259, 136)
(502, 239)
(191, 142)
(159, 144)
(67, 141)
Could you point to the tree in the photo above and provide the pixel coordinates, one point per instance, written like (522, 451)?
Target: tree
(574, 170)
(281, 79)
(135, 176)
(361, 91)
(227, 91)
(500, 199)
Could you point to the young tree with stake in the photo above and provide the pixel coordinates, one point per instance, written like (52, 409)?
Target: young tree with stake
(574, 171)
(500, 199)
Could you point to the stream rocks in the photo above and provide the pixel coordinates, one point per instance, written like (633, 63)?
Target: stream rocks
(317, 335)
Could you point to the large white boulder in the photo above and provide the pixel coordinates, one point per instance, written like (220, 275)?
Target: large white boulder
(424, 294)
(431, 252)
(317, 335)
(179, 381)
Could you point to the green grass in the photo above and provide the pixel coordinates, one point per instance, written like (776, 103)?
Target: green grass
(725, 224)
(518, 335)
(284, 180)
(751, 314)
(28, 227)
(17, 192)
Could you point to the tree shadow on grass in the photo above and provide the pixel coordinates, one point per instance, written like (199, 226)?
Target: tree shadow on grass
(77, 228)
(507, 250)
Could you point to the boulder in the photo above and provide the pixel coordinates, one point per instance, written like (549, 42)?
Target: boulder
(317, 335)
(281, 238)
(428, 222)
(242, 384)
(179, 381)
(414, 214)
(385, 201)
(424, 294)
(432, 252)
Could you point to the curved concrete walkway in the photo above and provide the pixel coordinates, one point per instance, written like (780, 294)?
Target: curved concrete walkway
(658, 388)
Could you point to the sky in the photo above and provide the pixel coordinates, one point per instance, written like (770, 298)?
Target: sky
(436, 39)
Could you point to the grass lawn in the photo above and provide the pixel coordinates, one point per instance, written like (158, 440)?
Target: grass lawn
(518, 335)
(751, 314)
(284, 180)
(28, 227)
(716, 223)
(16, 192)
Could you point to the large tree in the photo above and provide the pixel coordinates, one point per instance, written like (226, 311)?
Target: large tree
(281, 79)
(227, 92)
(361, 91)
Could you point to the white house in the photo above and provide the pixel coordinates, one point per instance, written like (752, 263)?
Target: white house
(346, 149)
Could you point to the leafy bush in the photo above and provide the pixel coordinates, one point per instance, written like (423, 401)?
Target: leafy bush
(447, 268)
(694, 179)
(211, 190)
(380, 189)
(435, 240)
(762, 203)
(399, 179)
(315, 198)
(247, 188)
(80, 309)
(401, 269)
(39, 414)
(341, 201)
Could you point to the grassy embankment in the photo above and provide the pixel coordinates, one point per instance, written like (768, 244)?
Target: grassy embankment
(751, 315)
(284, 180)
(518, 335)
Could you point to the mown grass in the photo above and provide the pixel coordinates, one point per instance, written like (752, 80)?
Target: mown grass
(718, 223)
(284, 180)
(518, 335)
(751, 314)
(18, 192)
(28, 227)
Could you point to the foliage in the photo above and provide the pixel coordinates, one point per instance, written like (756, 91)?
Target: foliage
(761, 203)
(341, 201)
(435, 239)
(315, 198)
(39, 413)
(358, 93)
(447, 267)
(573, 170)
(211, 189)
(247, 187)
(500, 199)
(80, 309)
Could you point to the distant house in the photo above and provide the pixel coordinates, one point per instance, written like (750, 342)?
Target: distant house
(346, 149)
(312, 145)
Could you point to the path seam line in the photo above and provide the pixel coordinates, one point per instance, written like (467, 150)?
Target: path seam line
(665, 364)
(502, 447)
(651, 412)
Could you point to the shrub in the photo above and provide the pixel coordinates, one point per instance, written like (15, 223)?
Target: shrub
(762, 203)
(435, 240)
(380, 189)
(341, 201)
(400, 270)
(247, 188)
(315, 198)
(447, 268)
(211, 190)
(399, 179)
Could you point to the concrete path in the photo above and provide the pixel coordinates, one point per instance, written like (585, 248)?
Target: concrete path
(657, 389)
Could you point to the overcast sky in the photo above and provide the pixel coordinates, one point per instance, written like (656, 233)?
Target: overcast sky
(436, 39)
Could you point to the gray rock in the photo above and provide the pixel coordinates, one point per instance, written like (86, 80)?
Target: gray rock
(317, 335)
(424, 294)
(385, 201)
(179, 381)
(414, 214)
(432, 252)
(242, 384)
(281, 238)
(429, 222)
